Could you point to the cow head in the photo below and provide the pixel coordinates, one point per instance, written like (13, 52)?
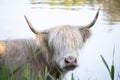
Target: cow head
(64, 42)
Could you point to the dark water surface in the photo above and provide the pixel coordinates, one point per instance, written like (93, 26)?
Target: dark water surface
(44, 14)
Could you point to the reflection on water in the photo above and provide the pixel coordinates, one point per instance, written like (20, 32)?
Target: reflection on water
(47, 13)
(59, 2)
(111, 8)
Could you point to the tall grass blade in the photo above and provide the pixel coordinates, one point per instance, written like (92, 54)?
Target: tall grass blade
(57, 68)
(89, 78)
(113, 55)
(113, 50)
(15, 70)
(72, 76)
(52, 78)
(119, 75)
(46, 73)
(112, 67)
(40, 77)
(4, 72)
(105, 63)
(27, 73)
(112, 72)
(33, 56)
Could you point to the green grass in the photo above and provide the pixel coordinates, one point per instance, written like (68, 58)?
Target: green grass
(27, 73)
(111, 70)
(5, 75)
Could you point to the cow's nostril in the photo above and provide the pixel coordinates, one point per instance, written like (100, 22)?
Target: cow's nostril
(66, 61)
(70, 60)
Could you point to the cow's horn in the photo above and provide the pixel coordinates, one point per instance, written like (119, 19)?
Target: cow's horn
(94, 20)
(31, 27)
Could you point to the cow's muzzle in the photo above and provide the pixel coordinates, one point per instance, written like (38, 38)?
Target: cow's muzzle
(70, 63)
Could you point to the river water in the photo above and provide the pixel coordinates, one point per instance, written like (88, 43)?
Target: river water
(44, 14)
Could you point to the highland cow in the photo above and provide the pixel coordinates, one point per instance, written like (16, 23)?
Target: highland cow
(59, 48)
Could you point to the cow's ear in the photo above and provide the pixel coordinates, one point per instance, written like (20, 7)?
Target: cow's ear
(85, 33)
(42, 38)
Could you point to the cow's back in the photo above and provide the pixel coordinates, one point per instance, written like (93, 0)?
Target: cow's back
(18, 52)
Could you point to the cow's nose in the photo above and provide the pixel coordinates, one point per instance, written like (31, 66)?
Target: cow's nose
(70, 60)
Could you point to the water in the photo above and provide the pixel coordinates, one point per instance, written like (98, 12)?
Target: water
(44, 14)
